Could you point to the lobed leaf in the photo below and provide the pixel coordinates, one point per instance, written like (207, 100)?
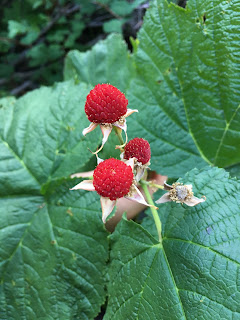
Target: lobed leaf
(194, 273)
(55, 249)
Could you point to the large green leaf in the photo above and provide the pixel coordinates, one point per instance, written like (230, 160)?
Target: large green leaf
(194, 273)
(189, 61)
(54, 247)
(157, 93)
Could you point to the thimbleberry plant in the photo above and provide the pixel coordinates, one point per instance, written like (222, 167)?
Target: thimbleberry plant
(113, 178)
(72, 254)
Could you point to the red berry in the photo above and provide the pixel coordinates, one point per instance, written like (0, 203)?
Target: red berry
(138, 148)
(105, 104)
(112, 179)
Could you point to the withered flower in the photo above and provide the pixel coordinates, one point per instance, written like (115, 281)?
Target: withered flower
(180, 193)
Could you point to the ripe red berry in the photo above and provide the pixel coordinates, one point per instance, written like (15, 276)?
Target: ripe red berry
(112, 179)
(138, 148)
(105, 104)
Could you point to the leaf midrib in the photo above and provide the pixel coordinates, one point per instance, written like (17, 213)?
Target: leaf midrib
(159, 247)
(174, 283)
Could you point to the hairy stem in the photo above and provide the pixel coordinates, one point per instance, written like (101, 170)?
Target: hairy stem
(154, 211)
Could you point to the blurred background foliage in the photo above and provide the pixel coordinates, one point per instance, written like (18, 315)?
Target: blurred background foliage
(36, 35)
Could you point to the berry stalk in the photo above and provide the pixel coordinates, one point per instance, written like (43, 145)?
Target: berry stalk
(152, 184)
(119, 135)
(153, 210)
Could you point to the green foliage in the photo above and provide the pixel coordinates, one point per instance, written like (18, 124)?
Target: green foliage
(35, 36)
(108, 62)
(179, 85)
(113, 25)
(195, 63)
(56, 248)
(234, 171)
(182, 77)
(194, 273)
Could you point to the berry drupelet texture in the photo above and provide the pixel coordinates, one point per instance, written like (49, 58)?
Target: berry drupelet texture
(138, 148)
(105, 104)
(112, 179)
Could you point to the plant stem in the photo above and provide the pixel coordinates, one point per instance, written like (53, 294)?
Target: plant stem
(119, 134)
(151, 184)
(154, 211)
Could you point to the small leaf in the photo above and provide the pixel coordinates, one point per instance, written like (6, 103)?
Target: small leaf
(15, 28)
(113, 25)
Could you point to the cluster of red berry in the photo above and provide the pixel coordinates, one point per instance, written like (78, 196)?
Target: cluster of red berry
(113, 179)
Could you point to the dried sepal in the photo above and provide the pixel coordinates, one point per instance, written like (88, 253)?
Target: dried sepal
(129, 112)
(107, 207)
(106, 130)
(90, 128)
(130, 162)
(86, 174)
(136, 195)
(84, 185)
(140, 169)
(164, 198)
(194, 201)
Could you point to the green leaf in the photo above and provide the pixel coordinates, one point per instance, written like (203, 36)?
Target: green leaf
(124, 8)
(107, 62)
(53, 261)
(191, 68)
(44, 135)
(194, 273)
(113, 25)
(156, 93)
(234, 171)
(54, 258)
(161, 120)
(15, 28)
(41, 53)
(213, 108)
